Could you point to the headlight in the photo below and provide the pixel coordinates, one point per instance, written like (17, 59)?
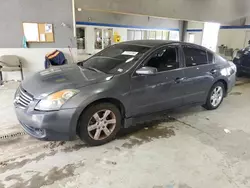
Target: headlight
(56, 100)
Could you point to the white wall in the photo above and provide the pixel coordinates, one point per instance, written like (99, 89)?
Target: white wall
(33, 59)
(195, 26)
(197, 37)
(233, 38)
(237, 36)
(210, 35)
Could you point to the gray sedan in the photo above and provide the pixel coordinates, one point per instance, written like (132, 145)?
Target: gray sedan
(116, 87)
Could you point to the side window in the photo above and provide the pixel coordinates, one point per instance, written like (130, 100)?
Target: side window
(210, 57)
(164, 59)
(194, 56)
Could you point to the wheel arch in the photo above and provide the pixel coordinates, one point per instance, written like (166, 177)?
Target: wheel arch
(207, 104)
(110, 100)
(224, 83)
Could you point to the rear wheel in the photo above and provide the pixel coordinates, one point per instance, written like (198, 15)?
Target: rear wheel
(99, 124)
(215, 96)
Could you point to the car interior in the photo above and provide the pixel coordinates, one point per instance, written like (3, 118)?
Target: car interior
(164, 60)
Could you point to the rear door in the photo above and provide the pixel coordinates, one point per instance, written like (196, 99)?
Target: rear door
(199, 73)
(161, 91)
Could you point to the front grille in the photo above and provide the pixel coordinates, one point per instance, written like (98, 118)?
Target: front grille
(23, 98)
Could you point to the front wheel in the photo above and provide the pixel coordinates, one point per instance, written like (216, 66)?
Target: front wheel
(215, 96)
(99, 124)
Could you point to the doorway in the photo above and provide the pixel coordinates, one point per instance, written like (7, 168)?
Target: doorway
(210, 35)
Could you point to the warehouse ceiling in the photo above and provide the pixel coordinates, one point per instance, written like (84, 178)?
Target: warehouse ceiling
(222, 11)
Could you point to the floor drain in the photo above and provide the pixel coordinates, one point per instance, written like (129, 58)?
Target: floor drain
(13, 135)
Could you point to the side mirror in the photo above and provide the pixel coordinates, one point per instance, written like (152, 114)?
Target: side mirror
(147, 71)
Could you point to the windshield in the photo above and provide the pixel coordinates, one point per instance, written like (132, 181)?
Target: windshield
(116, 58)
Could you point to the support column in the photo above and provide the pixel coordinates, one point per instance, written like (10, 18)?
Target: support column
(183, 30)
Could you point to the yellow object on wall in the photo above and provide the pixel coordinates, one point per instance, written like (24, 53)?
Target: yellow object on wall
(117, 37)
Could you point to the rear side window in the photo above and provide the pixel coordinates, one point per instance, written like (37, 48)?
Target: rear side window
(210, 57)
(194, 56)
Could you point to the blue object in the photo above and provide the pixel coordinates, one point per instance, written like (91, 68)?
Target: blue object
(24, 42)
(54, 59)
(124, 26)
(242, 61)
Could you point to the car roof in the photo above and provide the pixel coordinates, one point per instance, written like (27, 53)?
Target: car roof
(149, 43)
(156, 43)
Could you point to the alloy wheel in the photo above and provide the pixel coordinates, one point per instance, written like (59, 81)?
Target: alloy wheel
(102, 124)
(217, 96)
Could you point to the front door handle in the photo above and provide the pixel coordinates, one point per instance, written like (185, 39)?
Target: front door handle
(179, 80)
(213, 71)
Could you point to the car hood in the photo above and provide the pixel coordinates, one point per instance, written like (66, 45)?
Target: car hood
(55, 79)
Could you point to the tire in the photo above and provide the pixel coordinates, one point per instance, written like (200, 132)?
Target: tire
(209, 103)
(94, 118)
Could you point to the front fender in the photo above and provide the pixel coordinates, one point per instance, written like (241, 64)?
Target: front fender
(92, 93)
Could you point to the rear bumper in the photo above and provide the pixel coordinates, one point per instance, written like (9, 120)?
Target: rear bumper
(231, 82)
(51, 126)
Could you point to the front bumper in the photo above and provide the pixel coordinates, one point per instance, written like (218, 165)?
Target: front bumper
(51, 126)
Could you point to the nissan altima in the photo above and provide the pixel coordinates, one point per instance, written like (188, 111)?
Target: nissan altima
(125, 82)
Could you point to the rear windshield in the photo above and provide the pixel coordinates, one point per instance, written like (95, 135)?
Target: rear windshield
(116, 58)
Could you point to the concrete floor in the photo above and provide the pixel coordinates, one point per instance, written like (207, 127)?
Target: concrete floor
(189, 148)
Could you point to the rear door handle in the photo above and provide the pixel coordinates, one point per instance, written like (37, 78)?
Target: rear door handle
(179, 80)
(213, 71)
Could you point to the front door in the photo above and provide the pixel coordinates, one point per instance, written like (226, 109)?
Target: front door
(161, 91)
(199, 74)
